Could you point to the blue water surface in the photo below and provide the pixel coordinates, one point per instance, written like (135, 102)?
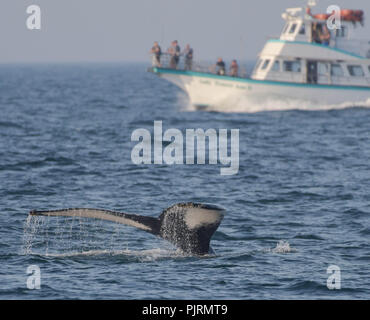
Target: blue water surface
(299, 203)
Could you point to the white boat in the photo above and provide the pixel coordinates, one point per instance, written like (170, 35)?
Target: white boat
(295, 66)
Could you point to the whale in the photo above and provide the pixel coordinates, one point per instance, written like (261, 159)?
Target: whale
(189, 226)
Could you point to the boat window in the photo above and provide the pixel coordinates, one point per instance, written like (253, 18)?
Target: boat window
(259, 62)
(292, 66)
(302, 31)
(336, 70)
(356, 71)
(265, 64)
(293, 28)
(323, 68)
(286, 28)
(276, 66)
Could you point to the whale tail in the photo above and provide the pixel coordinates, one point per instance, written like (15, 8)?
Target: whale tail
(189, 226)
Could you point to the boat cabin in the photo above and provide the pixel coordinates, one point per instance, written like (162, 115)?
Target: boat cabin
(309, 52)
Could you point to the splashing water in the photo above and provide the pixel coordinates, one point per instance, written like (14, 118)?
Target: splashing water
(61, 235)
(30, 230)
(76, 236)
(283, 247)
(243, 104)
(139, 255)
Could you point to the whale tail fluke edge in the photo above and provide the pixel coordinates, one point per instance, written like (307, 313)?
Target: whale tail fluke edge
(189, 226)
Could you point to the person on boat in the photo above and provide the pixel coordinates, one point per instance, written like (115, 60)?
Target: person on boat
(234, 69)
(188, 53)
(325, 35)
(174, 52)
(156, 52)
(315, 35)
(316, 31)
(221, 67)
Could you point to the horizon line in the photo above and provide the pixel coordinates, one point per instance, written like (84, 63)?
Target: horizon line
(39, 62)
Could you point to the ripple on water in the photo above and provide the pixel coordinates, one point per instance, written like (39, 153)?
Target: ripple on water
(67, 132)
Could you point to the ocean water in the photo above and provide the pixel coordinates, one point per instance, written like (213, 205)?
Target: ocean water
(299, 204)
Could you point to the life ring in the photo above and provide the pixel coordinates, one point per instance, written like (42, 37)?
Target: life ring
(347, 13)
(352, 15)
(359, 14)
(322, 16)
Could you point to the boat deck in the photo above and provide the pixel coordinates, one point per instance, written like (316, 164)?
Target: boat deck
(193, 66)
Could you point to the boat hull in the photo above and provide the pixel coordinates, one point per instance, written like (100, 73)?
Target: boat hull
(206, 90)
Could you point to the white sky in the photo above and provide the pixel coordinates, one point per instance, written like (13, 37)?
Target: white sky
(124, 30)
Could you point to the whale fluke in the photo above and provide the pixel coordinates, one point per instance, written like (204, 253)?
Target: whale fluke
(189, 226)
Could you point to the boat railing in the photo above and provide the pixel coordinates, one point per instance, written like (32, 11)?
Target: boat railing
(168, 61)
